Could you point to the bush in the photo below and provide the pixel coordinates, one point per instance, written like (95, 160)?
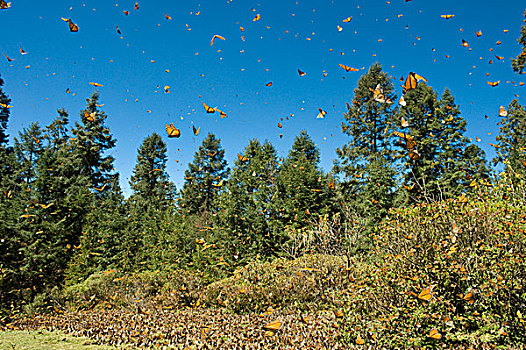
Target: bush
(138, 290)
(448, 273)
(309, 282)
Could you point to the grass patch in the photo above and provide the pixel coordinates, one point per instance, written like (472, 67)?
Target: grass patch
(44, 340)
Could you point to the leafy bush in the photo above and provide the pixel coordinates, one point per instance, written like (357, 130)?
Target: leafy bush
(448, 273)
(139, 290)
(311, 281)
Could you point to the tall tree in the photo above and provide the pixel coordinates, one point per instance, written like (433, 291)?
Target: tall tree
(28, 148)
(519, 62)
(246, 204)
(11, 282)
(303, 192)
(433, 147)
(149, 182)
(204, 178)
(511, 140)
(365, 161)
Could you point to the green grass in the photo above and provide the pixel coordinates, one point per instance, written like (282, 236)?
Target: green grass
(44, 340)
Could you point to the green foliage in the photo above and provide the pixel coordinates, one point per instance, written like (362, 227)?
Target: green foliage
(519, 62)
(309, 282)
(243, 221)
(204, 178)
(302, 191)
(511, 140)
(469, 253)
(4, 115)
(441, 168)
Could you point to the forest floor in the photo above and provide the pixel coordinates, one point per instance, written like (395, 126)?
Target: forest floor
(182, 329)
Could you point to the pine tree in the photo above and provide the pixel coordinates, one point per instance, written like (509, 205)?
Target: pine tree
(303, 192)
(11, 281)
(368, 124)
(519, 62)
(149, 181)
(365, 161)
(246, 204)
(91, 140)
(511, 141)
(438, 169)
(28, 148)
(204, 178)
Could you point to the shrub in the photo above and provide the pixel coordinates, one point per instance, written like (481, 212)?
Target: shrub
(311, 281)
(448, 273)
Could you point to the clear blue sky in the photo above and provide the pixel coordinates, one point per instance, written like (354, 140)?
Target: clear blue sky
(290, 35)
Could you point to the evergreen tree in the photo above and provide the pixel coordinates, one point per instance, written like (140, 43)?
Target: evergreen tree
(365, 161)
(11, 282)
(204, 178)
(511, 141)
(303, 192)
(246, 204)
(438, 168)
(28, 148)
(91, 140)
(149, 181)
(519, 62)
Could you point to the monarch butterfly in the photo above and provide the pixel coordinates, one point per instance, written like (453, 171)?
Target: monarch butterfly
(503, 112)
(378, 95)
(447, 16)
(96, 84)
(126, 13)
(321, 114)
(279, 125)
(359, 340)
(4, 5)
(434, 334)
(136, 6)
(172, 130)
(272, 327)
(257, 18)
(426, 294)
(405, 123)
(8, 58)
(469, 297)
(465, 43)
(118, 30)
(242, 158)
(268, 84)
(167, 17)
(347, 68)
(223, 114)
(339, 28)
(208, 109)
(479, 33)
(196, 131)
(5, 106)
(500, 58)
(402, 102)
(493, 83)
(301, 73)
(412, 81)
(216, 37)
(347, 20)
(72, 26)
(22, 52)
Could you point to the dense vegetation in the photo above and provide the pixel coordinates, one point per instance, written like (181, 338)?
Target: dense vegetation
(409, 240)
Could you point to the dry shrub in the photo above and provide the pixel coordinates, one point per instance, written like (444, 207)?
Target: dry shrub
(468, 252)
(311, 281)
(135, 290)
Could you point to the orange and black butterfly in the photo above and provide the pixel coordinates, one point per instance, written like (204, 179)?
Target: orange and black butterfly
(172, 130)
(412, 81)
(9, 59)
(208, 109)
(216, 37)
(301, 73)
(196, 131)
(493, 83)
(410, 144)
(72, 26)
(447, 16)
(347, 68)
(4, 5)
(242, 158)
